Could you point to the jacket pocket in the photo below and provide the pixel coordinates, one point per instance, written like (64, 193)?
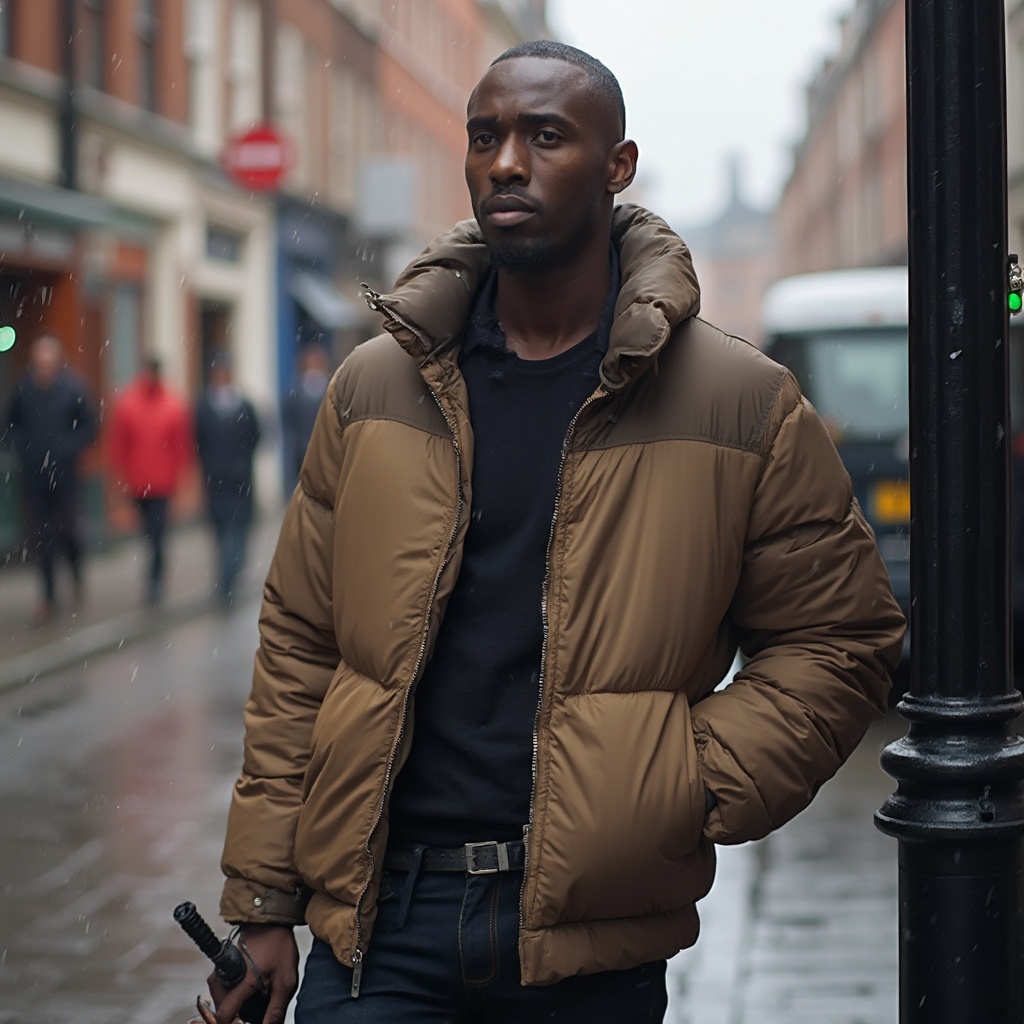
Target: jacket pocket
(620, 810)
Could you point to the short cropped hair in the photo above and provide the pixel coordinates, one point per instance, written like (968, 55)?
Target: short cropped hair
(604, 82)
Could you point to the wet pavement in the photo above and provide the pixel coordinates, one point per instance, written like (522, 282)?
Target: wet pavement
(116, 774)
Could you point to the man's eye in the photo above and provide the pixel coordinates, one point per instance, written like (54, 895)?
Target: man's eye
(547, 135)
(483, 139)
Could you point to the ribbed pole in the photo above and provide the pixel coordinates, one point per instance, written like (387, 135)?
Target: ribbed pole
(958, 810)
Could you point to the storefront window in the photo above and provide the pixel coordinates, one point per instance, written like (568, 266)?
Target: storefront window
(125, 341)
(5, 28)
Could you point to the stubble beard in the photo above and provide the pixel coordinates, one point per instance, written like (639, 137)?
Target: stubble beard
(525, 256)
(541, 255)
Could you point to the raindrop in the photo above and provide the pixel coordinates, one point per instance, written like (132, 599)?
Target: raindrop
(957, 354)
(135, 672)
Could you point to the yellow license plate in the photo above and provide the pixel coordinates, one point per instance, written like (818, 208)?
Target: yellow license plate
(890, 502)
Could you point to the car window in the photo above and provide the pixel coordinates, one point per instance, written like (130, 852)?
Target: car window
(857, 380)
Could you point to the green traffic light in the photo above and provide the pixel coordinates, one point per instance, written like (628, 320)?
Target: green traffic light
(7, 338)
(1013, 300)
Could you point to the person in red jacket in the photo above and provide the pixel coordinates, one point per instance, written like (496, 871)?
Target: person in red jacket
(150, 446)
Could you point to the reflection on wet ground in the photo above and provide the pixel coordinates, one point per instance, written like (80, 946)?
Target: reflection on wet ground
(113, 794)
(114, 788)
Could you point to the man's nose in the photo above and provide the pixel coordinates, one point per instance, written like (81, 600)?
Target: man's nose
(511, 163)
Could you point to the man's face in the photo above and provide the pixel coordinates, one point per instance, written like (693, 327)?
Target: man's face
(539, 162)
(45, 362)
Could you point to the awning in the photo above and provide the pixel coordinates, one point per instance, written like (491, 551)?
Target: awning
(68, 209)
(55, 206)
(322, 301)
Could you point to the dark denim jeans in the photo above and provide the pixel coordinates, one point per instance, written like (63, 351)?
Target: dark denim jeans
(451, 957)
(230, 538)
(154, 523)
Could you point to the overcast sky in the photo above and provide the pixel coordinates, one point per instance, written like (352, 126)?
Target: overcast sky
(704, 79)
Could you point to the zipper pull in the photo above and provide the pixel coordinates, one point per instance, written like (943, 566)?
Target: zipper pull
(357, 972)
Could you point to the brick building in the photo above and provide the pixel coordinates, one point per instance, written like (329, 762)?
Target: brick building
(116, 227)
(844, 204)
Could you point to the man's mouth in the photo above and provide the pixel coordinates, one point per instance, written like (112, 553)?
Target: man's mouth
(507, 210)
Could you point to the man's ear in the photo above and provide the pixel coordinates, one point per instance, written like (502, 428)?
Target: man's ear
(622, 160)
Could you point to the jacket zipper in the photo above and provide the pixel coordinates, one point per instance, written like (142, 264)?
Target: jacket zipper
(528, 827)
(358, 956)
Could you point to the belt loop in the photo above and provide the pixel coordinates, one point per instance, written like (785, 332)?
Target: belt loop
(410, 883)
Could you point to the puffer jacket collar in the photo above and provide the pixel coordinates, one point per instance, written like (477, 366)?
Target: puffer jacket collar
(428, 308)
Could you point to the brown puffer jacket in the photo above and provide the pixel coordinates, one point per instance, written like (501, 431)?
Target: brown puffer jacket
(701, 505)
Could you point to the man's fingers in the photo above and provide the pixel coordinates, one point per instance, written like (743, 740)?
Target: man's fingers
(206, 1013)
(228, 1008)
(277, 1007)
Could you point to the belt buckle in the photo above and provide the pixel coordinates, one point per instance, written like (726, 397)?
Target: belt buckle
(500, 850)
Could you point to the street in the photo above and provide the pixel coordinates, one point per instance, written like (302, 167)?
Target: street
(115, 785)
(116, 781)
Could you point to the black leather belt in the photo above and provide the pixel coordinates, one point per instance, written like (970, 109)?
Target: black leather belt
(475, 858)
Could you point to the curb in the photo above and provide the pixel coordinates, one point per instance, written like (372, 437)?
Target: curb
(102, 637)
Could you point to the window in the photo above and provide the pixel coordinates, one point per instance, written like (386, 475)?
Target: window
(94, 32)
(125, 342)
(6, 18)
(206, 83)
(146, 29)
(223, 244)
(857, 380)
(244, 69)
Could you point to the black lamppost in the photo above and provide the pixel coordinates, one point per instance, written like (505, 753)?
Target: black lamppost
(958, 810)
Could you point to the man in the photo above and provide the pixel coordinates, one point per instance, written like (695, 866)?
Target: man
(301, 404)
(486, 760)
(227, 431)
(150, 447)
(52, 420)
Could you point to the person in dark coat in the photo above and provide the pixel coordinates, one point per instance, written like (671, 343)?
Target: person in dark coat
(51, 420)
(227, 431)
(301, 404)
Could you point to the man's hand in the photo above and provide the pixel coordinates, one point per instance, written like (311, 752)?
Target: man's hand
(272, 948)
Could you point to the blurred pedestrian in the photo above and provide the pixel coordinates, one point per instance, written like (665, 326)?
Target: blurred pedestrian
(486, 756)
(227, 431)
(51, 420)
(150, 447)
(300, 405)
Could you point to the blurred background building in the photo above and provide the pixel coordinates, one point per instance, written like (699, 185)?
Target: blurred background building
(736, 257)
(844, 203)
(141, 215)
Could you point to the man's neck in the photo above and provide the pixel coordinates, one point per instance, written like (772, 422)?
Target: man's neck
(545, 314)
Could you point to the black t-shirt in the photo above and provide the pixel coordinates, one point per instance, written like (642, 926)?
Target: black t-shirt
(469, 773)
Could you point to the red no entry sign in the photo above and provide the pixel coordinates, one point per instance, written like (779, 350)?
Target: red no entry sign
(259, 158)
